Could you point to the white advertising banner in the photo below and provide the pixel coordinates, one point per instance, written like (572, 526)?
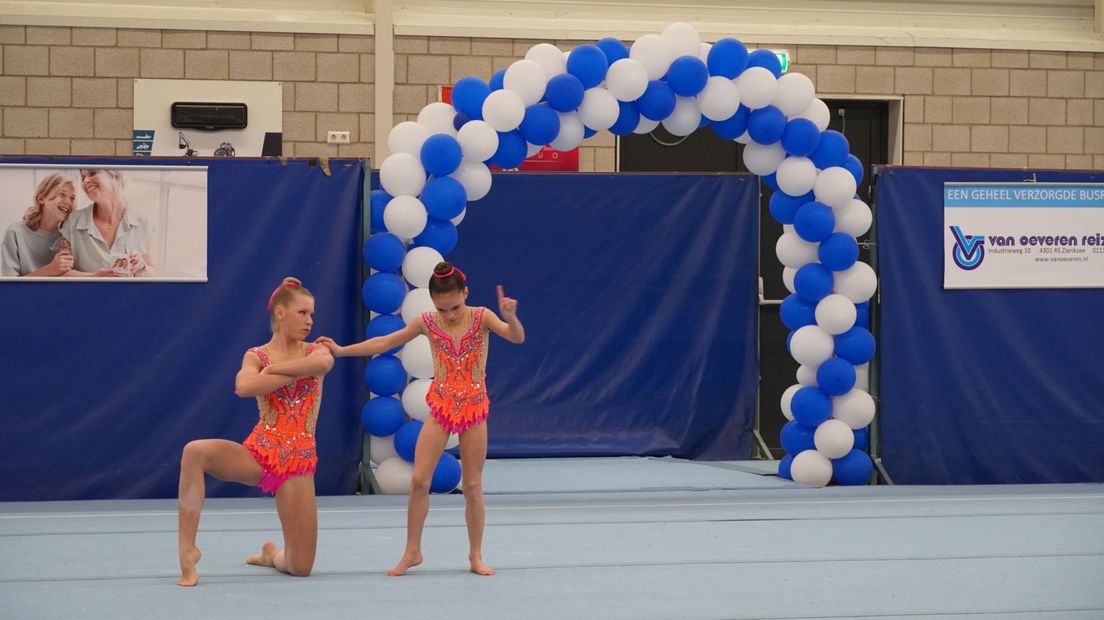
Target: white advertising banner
(1023, 235)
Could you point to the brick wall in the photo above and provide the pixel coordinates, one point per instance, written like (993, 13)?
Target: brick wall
(70, 90)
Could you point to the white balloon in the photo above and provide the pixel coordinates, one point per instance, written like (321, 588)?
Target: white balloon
(857, 283)
(654, 53)
(532, 149)
(835, 187)
(551, 59)
(527, 79)
(685, 118)
(834, 439)
(854, 218)
(682, 39)
(415, 303)
(758, 87)
(787, 396)
(478, 141)
(599, 109)
(405, 217)
(855, 408)
(393, 476)
(796, 175)
(763, 159)
(381, 448)
(811, 345)
(720, 99)
(504, 110)
(402, 174)
(703, 53)
(476, 179)
(414, 398)
(818, 113)
(745, 138)
(646, 125)
(811, 468)
(795, 252)
(417, 266)
(417, 357)
(460, 218)
(571, 132)
(795, 94)
(627, 79)
(452, 442)
(788, 274)
(862, 377)
(407, 137)
(438, 117)
(835, 314)
(806, 375)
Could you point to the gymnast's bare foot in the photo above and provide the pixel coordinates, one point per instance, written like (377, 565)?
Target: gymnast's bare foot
(478, 567)
(409, 560)
(266, 557)
(189, 556)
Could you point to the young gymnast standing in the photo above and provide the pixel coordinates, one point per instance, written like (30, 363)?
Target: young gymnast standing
(457, 399)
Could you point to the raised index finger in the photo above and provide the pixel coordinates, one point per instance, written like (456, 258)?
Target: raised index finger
(501, 294)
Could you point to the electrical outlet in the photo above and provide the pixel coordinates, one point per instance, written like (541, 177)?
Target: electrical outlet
(337, 137)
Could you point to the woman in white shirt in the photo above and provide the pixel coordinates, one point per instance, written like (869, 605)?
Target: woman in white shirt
(106, 237)
(34, 246)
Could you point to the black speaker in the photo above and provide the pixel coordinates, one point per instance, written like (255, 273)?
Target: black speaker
(198, 115)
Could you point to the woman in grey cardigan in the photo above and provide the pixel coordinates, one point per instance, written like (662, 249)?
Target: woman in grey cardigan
(34, 246)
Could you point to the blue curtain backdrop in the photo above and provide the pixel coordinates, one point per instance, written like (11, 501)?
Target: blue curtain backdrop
(981, 386)
(105, 382)
(639, 298)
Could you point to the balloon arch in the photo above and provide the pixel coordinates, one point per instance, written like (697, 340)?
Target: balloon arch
(440, 162)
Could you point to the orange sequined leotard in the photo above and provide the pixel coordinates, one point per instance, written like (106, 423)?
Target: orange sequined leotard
(457, 398)
(283, 440)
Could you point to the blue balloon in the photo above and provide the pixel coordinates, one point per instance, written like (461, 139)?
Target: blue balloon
(796, 437)
(687, 76)
(385, 375)
(460, 120)
(783, 206)
(446, 475)
(814, 221)
(512, 150)
(862, 438)
(439, 234)
(588, 132)
(813, 282)
(862, 314)
(384, 252)
(835, 376)
(856, 345)
(657, 102)
(766, 125)
(766, 59)
(727, 58)
(855, 167)
(468, 96)
(797, 312)
(382, 416)
(541, 124)
(801, 137)
(441, 154)
(406, 439)
(444, 197)
(496, 81)
(784, 467)
(734, 126)
(381, 326)
(613, 48)
(378, 200)
(831, 151)
(383, 292)
(564, 93)
(810, 406)
(588, 63)
(771, 181)
(853, 468)
(627, 119)
(838, 251)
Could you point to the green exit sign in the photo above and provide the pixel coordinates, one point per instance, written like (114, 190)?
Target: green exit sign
(784, 58)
